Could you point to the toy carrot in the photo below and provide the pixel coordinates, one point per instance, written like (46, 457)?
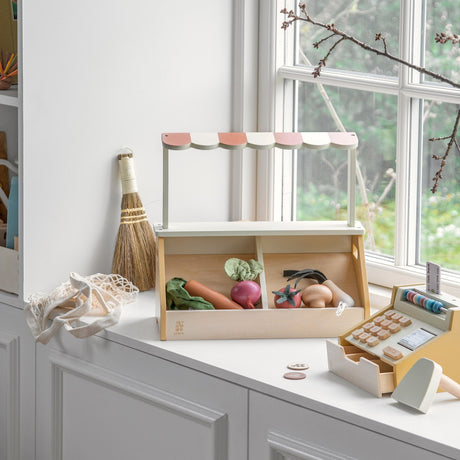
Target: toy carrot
(218, 300)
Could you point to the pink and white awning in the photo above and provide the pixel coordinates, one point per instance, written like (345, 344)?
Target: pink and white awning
(237, 141)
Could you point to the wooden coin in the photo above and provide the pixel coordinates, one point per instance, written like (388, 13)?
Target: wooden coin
(294, 375)
(298, 366)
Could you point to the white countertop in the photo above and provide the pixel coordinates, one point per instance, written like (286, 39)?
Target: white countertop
(260, 364)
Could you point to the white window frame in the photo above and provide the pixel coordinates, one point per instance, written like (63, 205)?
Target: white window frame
(276, 77)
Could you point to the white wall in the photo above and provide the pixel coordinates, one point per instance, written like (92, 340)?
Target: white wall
(102, 75)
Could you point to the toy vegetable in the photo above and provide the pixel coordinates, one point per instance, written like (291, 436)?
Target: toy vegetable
(287, 297)
(316, 296)
(246, 292)
(218, 300)
(340, 299)
(177, 298)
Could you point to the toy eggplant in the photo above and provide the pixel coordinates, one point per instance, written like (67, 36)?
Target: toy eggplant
(340, 299)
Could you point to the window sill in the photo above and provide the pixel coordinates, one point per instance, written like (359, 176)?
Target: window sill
(384, 274)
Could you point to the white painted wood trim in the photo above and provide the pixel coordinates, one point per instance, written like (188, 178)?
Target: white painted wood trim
(238, 93)
(262, 277)
(205, 141)
(351, 193)
(178, 229)
(266, 109)
(348, 80)
(283, 445)
(10, 384)
(20, 155)
(316, 140)
(217, 422)
(165, 187)
(261, 140)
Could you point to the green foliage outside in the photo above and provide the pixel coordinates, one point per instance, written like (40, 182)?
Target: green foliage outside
(440, 240)
(322, 176)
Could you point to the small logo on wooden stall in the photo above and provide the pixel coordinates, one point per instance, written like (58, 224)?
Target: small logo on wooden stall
(179, 330)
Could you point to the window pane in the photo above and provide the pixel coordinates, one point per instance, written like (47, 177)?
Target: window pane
(440, 212)
(362, 19)
(444, 59)
(322, 175)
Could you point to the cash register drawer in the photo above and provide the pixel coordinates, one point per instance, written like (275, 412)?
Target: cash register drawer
(360, 368)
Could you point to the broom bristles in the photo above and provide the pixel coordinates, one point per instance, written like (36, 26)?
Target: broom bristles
(135, 248)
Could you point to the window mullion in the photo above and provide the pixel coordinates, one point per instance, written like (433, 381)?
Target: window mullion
(284, 160)
(407, 155)
(268, 96)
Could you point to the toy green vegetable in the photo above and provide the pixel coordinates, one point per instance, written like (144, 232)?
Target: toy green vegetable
(246, 292)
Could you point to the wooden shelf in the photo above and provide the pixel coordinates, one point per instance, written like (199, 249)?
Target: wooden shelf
(10, 96)
(179, 229)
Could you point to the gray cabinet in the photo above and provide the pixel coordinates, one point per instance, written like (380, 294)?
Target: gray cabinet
(282, 431)
(17, 386)
(101, 400)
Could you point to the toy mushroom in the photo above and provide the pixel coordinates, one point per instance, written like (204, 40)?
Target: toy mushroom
(340, 299)
(316, 296)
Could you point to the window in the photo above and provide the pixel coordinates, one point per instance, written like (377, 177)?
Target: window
(394, 111)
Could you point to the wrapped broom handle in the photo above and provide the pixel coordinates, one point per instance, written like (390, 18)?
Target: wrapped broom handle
(127, 173)
(129, 185)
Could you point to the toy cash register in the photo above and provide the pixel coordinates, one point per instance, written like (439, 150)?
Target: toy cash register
(376, 354)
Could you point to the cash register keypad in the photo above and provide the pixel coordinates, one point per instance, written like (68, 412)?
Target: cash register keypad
(380, 328)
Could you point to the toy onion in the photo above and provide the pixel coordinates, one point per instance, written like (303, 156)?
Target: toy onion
(246, 293)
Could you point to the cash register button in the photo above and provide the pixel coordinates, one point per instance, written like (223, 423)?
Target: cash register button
(356, 333)
(368, 326)
(383, 334)
(374, 330)
(386, 324)
(392, 353)
(389, 314)
(405, 321)
(378, 320)
(393, 328)
(396, 317)
(364, 336)
(372, 341)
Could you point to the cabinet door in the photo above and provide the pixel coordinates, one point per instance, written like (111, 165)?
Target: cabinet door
(100, 400)
(283, 431)
(17, 379)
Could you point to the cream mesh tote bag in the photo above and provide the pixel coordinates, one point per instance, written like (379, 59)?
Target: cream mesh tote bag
(98, 295)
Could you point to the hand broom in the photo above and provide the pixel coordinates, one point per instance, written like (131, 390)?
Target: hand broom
(135, 249)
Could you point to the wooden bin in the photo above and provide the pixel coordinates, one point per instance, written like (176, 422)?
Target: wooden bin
(199, 250)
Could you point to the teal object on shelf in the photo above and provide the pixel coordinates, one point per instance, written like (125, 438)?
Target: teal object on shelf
(12, 222)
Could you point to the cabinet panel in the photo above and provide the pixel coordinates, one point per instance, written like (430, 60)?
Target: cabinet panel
(108, 401)
(17, 386)
(9, 395)
(283, 431)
